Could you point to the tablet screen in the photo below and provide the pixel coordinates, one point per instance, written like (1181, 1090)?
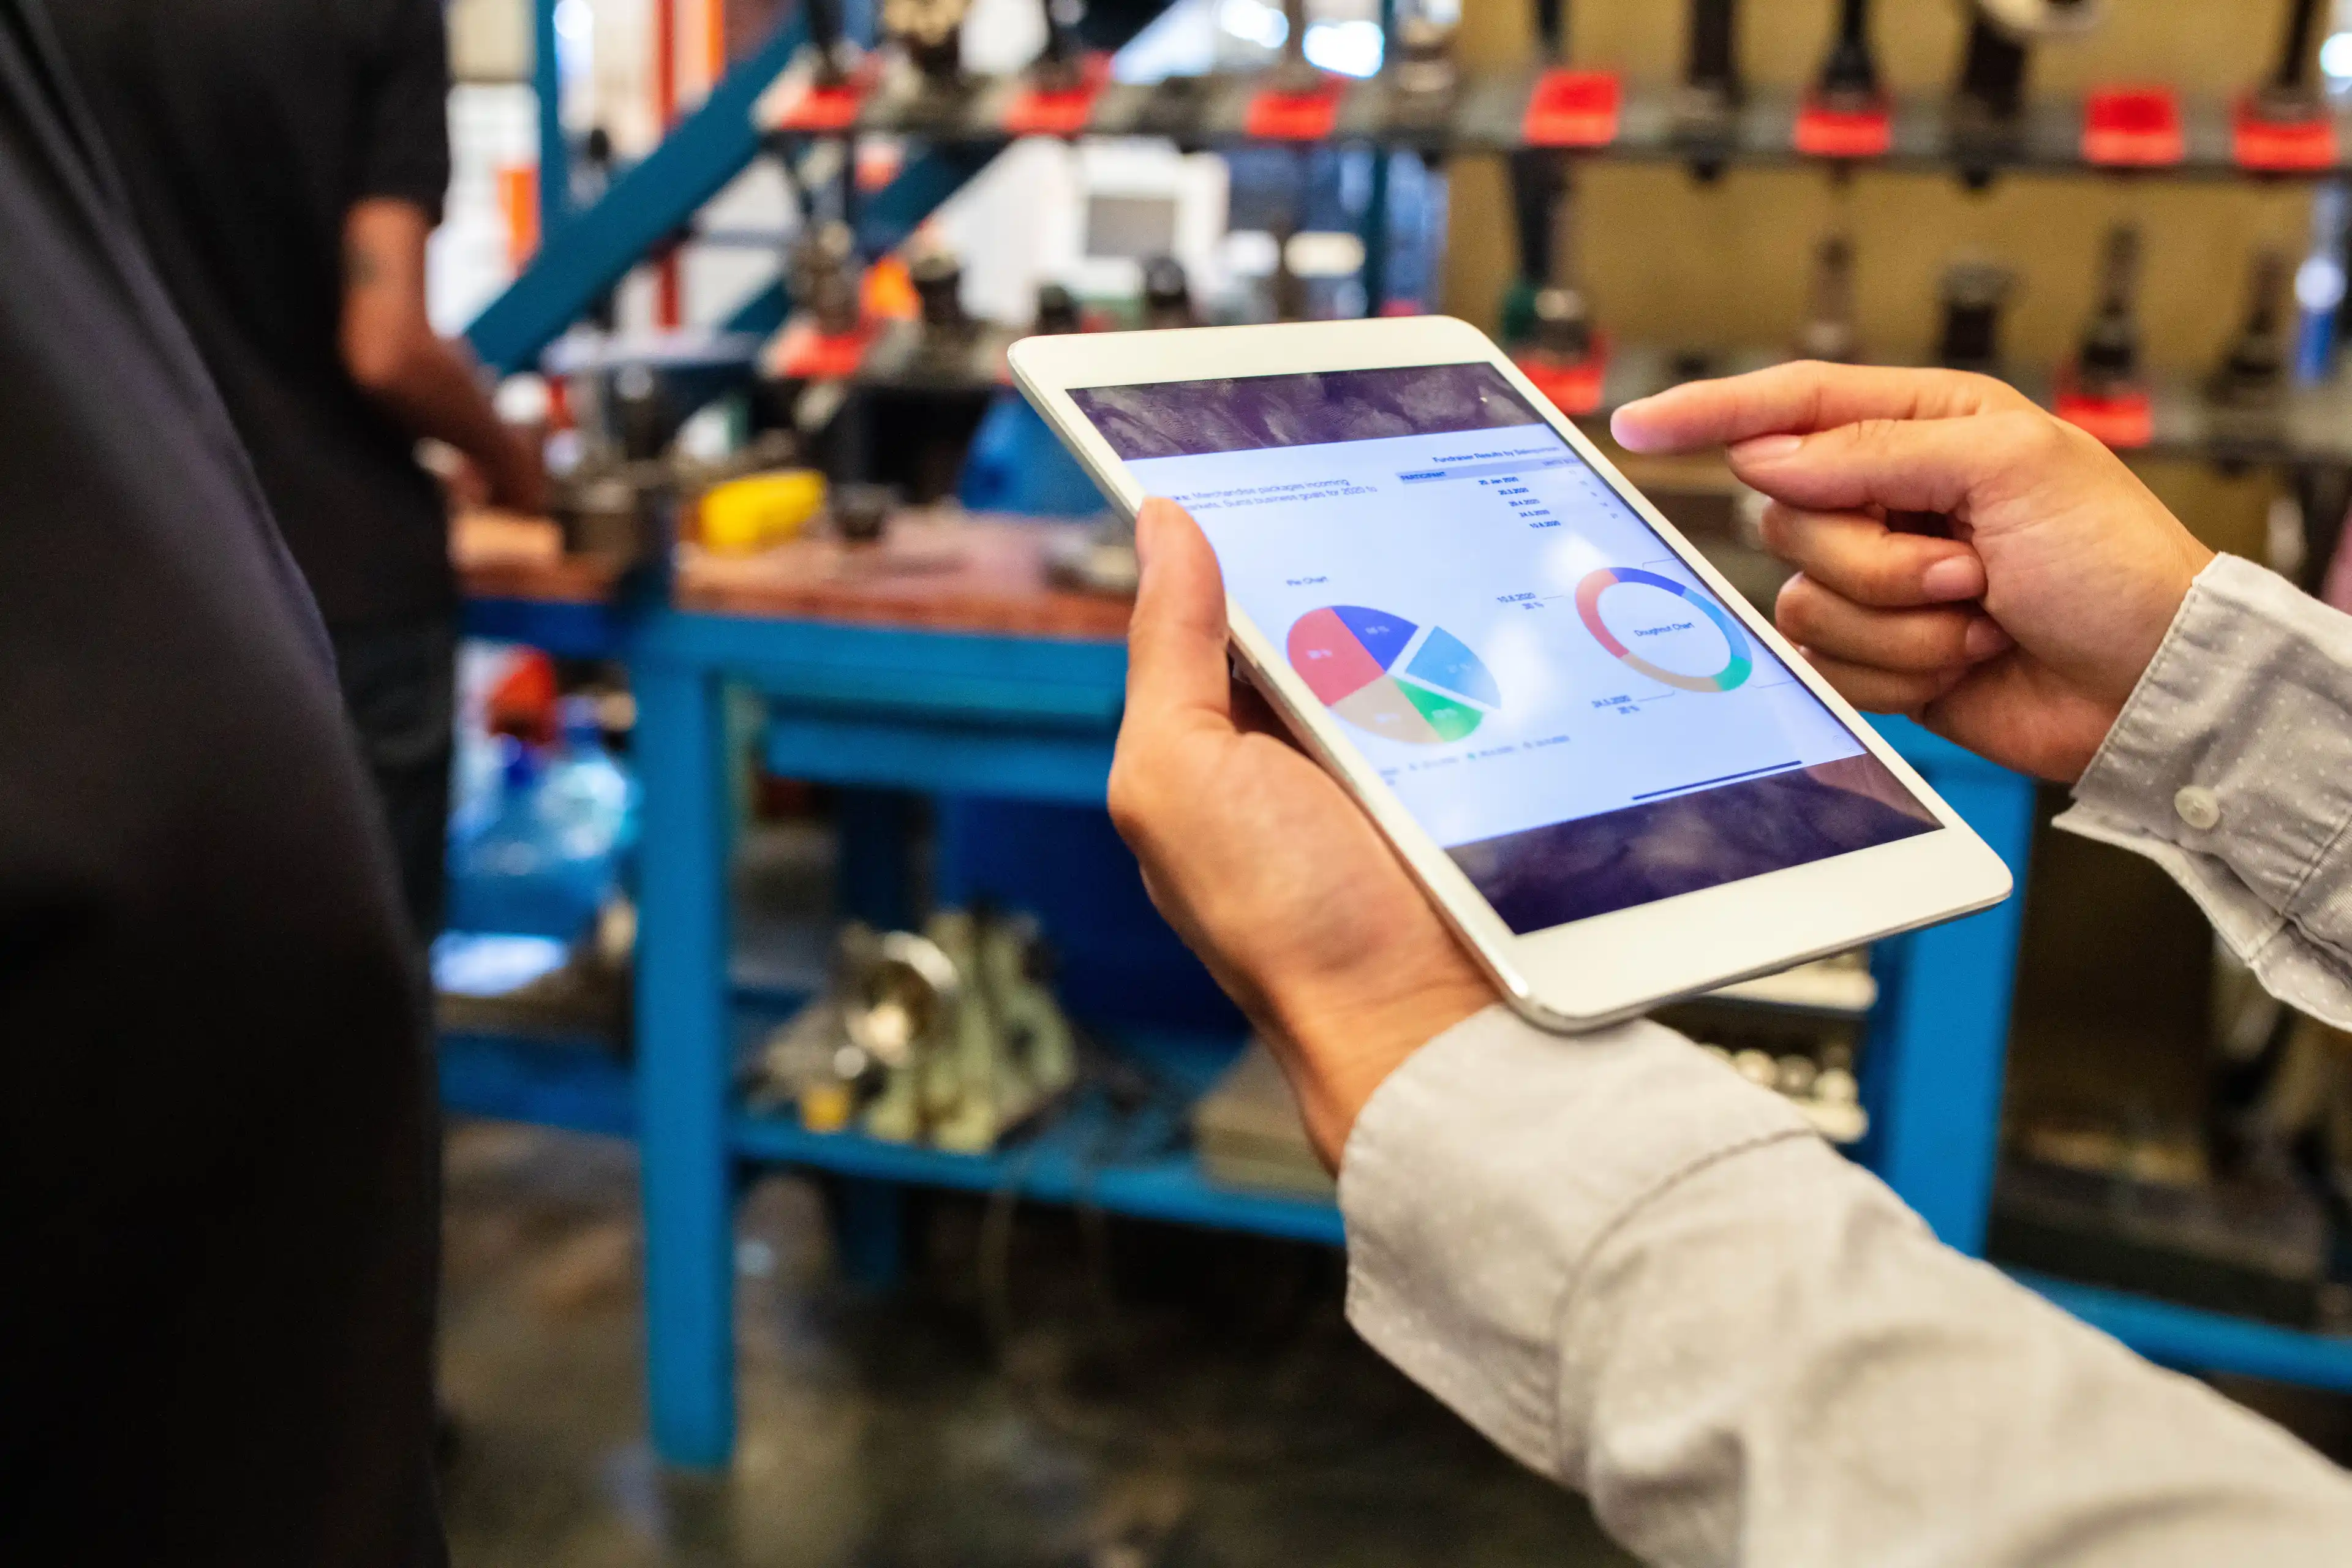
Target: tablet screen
(1554, 696)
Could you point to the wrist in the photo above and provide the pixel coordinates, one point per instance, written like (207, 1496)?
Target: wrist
(1339, 1044)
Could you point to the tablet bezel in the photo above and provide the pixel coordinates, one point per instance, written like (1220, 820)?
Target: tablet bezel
(1592, 972)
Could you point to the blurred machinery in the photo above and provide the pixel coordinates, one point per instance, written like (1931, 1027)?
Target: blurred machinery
(950, 1037)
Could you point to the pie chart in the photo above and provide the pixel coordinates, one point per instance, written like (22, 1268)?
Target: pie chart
(1662, 609)
(1389, 676)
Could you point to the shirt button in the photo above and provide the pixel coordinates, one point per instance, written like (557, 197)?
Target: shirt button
(2198, 806)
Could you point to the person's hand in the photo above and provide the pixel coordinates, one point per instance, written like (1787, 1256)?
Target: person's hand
(518, 477)
(2021, 634)
(1263, 863)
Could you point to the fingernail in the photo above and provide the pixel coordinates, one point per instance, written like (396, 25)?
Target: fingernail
(1766, 449)
(1144, 529)
(1985, 639)
(1953, 578)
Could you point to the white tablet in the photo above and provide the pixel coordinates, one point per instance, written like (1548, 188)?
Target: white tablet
(1612, 776)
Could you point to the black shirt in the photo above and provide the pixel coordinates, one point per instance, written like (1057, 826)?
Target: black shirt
(215, 1222)
(244, 131)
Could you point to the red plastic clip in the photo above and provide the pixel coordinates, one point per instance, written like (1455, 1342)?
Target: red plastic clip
(1574, 108)
(2282, 146)
(2133, 128)
(2124, 420)
(1294, 116)
(804, 353)
(1574, 388)
(1058, 111)
(817, 109)
(1826, 133)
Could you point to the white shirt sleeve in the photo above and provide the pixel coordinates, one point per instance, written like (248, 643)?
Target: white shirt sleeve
(2231, 768)
(1644, 1277)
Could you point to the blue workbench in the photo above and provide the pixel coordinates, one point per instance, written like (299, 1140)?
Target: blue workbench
(1034, 719)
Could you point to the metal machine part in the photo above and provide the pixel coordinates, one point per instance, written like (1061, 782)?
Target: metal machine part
(1167, 294)
(897, 990)
(950, 1038)
(932, 34)
(829, 44)
(2108, 361)
(1292, 74)
(2251, 375)
(1829, 329)
(1707, 109)
(1993, 66)
(861, 513)
(1057, 309)
(610, 509)
(2291, 96)
(1062, 66)
(938, 278)
(1424, 74)
(1563, 324)
(822, 270)
(1973, 295)
(1711, 56)
(1849, 78)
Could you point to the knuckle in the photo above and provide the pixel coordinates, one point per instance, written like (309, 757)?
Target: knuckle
(2030, 435)
(1797, 610)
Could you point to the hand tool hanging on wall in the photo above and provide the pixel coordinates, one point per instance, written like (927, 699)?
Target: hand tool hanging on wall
(1989, 109)
(1706, 111)
(1829, 333)
(2248, 384)
(1167, 294)
(930, 34)
(2284, 125)
(1973, 295)
(2103, 392)
(1062, 66)
(1847, 115)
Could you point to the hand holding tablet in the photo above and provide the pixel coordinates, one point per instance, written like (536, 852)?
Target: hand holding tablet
(1613, 779)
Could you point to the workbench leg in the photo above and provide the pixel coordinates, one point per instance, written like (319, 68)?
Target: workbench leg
(1939, 1039)
(683, 1056)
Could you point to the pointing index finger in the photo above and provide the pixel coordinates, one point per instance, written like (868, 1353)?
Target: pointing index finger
(1803, 396)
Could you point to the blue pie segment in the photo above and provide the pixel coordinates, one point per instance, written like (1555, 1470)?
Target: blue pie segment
(1384, 636)
(1443, 662)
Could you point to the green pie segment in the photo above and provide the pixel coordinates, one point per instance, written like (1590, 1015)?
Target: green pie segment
(1406, 710)
(1451, 720)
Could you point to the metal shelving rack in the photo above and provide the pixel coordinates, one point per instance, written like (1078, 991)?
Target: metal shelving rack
(1034, 719)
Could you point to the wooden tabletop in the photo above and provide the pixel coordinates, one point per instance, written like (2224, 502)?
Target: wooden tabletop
(939, 571)
(935, 570)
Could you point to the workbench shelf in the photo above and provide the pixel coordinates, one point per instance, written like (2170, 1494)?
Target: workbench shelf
(1090, 1157)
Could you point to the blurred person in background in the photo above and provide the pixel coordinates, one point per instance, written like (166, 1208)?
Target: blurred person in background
(285, 161)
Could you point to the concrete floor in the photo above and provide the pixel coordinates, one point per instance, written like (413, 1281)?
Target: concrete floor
(1046, 1391)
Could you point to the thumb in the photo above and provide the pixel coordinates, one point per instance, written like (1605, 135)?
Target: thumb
(1176, 641)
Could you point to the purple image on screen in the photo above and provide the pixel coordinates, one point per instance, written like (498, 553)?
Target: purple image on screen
(1243, 413)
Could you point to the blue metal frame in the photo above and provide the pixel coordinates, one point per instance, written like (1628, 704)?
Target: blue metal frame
(554, 147)
(1939, 1040)
(929, 712)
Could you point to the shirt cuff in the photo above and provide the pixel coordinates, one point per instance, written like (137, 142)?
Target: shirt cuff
(1483, 1172)
(2232, 767)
